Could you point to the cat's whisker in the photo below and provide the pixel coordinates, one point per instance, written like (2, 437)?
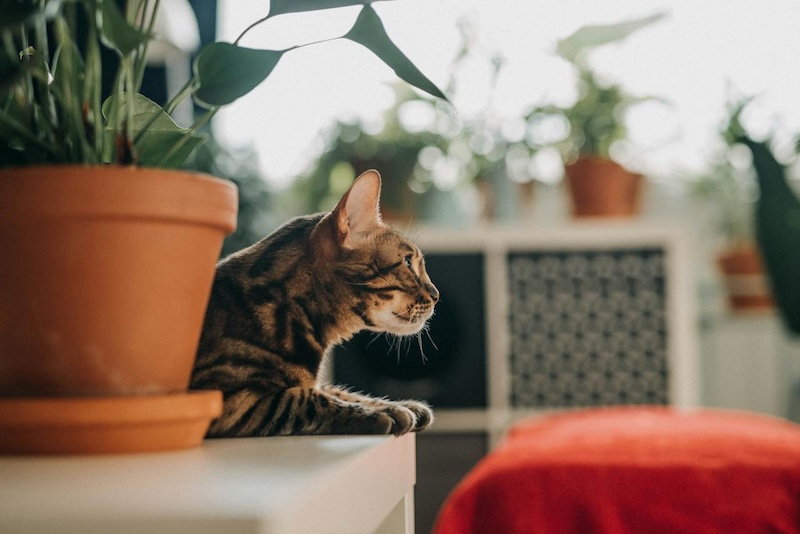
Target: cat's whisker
(392, 340)
(399, 346)
(375, 337)
(409, 310)
(427, 331)
(421, 350)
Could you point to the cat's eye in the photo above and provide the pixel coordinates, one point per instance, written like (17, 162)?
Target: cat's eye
(408, 262)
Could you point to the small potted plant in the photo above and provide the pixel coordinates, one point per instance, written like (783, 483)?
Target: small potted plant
(598, 185)
(729, 192)
(776, 219)
(107, 253)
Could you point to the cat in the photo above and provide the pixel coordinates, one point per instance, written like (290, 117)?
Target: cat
(279, 306)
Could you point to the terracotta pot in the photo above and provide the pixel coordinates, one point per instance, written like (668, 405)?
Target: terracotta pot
(105, 274)
(107, 425)
(602, 188)
(745, 279)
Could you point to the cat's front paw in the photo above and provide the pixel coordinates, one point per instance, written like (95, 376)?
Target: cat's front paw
(422, 413)
(402, 417)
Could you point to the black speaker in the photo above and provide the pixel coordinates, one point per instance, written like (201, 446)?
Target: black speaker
(446, 365)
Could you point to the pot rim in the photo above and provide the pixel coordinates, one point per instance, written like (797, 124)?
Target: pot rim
(121, 192)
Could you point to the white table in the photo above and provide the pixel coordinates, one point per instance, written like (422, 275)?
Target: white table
(340, 485)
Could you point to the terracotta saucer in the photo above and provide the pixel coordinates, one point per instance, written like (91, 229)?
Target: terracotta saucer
(106, 425)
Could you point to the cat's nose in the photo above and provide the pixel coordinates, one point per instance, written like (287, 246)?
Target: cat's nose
(433, 292)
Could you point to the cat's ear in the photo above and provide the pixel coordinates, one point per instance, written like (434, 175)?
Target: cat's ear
(358, 212)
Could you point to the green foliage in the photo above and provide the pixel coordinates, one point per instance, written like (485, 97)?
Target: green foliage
(219, 63)
(596, 119)
(350, 151)
(369, 31)
(730, 194)
(730, 191)
(52, 109)
(777, 221)
(435, 151)
(585, 39)
(158, 140)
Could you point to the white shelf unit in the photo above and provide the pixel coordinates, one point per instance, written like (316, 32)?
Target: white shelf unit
(281, 485)
(496, 244)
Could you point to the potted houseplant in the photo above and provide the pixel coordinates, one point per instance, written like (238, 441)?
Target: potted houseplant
(729, 194)
(598, 185)
(107, 252)
(777, 221)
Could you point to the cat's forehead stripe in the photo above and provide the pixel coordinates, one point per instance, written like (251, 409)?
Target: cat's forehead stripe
(406, 247)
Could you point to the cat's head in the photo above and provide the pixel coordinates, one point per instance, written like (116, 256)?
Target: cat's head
(383, 270)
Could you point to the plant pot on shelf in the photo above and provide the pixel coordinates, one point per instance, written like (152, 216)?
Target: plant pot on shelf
(746, 282)
(105, 274)
(602, 188)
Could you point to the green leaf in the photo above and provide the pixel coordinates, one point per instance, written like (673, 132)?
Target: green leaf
(573, 47)
(151, 149)
(368, 31)
(116, 32)
(279, 7)
(226, 72)
(155, 132)
(68, 67)
(68, 84)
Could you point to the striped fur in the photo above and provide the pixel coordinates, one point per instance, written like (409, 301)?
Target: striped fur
(279, 306)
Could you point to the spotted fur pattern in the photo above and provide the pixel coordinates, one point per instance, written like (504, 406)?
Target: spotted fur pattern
(278, 307)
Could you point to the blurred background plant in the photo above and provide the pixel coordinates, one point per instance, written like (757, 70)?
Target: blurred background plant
(436, 165)
(595, 123)
(728, 190)
(393, 148)
(777, 214)
(589, 133)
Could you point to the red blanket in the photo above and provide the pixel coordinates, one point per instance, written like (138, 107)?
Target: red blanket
(634, 471)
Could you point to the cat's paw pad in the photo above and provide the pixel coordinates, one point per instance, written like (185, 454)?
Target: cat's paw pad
(422, 413)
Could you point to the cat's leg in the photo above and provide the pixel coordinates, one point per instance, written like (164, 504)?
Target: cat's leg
(422, 412)
(301, 410)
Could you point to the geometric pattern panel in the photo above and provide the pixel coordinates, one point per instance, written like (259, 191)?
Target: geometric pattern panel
(588, 328)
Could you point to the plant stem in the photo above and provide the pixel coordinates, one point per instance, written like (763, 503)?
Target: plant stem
(185, 91)
(42, 46)
(199, 123)
(141, 57)
(71, 104)
(48, 107)
(28, 85)
(93, 91)
(253, 25)
(127, 65)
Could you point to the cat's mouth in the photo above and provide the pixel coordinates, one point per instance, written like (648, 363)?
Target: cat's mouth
(410, 321)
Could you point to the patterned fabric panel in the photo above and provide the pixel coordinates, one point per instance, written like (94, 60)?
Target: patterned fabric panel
(588, 328)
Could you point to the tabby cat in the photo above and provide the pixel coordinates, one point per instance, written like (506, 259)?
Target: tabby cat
(278, 307)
